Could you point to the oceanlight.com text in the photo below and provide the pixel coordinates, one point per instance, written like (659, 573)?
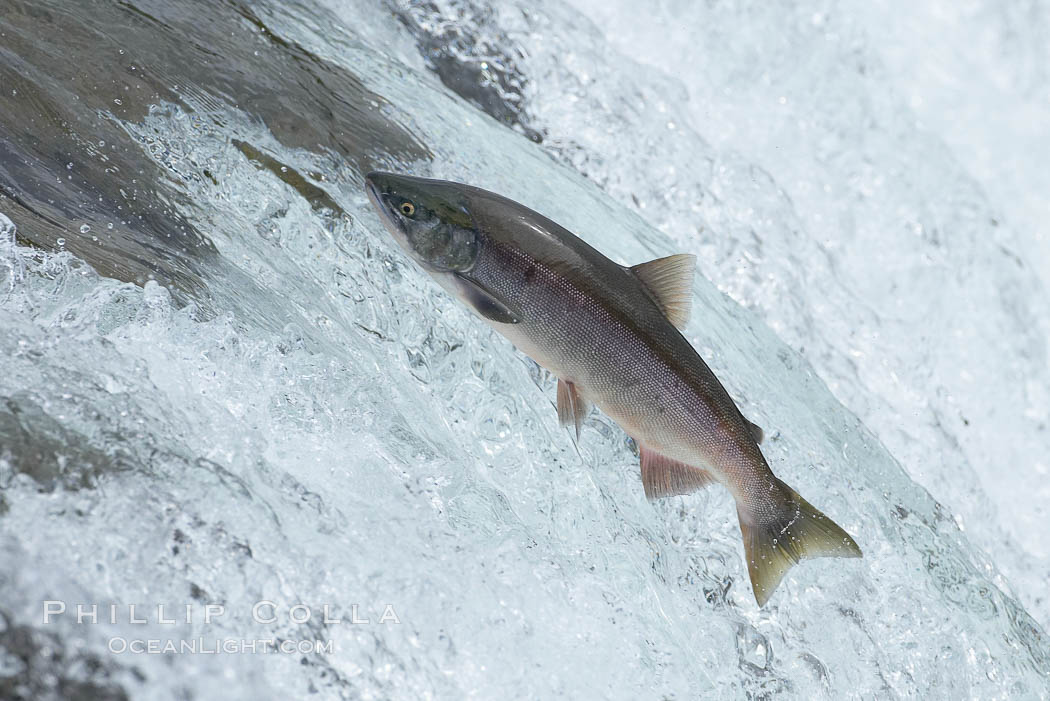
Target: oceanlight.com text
(215, 646)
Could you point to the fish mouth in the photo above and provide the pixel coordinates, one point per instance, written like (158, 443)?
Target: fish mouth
(386, 217)
(374, 196)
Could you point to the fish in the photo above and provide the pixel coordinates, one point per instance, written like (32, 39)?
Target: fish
(612, 336)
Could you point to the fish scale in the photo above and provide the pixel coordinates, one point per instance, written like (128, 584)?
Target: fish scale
(643, 375)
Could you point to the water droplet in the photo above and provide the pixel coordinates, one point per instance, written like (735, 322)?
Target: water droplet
(109, 226)
(84, 228)
(117, 101)
(61, 242)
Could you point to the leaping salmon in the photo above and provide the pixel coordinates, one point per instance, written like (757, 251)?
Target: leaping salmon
(611, 335)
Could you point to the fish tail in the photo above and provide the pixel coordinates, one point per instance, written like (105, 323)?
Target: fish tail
(797, 531)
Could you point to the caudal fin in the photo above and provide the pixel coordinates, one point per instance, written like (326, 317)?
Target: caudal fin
(798, 532)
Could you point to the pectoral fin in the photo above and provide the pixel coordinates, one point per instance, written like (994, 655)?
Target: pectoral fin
(572, 408)
(485, 303)
(664, 477)
(670, 283)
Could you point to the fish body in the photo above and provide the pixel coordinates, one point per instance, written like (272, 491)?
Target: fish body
(610, 334)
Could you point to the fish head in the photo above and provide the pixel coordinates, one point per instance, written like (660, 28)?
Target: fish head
(430, 219)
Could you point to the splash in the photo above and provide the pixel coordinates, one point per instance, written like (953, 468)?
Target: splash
(288, 413)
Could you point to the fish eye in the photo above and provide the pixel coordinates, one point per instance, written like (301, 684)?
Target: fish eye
(407, 208)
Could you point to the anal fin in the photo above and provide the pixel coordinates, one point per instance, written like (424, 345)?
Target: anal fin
(572, 408)
(664, 477)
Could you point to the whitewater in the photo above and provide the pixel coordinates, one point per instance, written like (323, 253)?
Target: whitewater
(267, 456)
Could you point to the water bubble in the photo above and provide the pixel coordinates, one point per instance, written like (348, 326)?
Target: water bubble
(61, 242)
(84, 228)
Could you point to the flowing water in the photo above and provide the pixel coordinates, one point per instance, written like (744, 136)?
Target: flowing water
(223, 384)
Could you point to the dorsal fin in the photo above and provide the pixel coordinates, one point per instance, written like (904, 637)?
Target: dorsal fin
(664, 477)
(670, 282)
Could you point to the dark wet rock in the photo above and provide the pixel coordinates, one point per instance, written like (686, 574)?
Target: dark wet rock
(318, 198)
(35, 444)
(473, 57)
(75, 75)
(38, 666)
(66, 163)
